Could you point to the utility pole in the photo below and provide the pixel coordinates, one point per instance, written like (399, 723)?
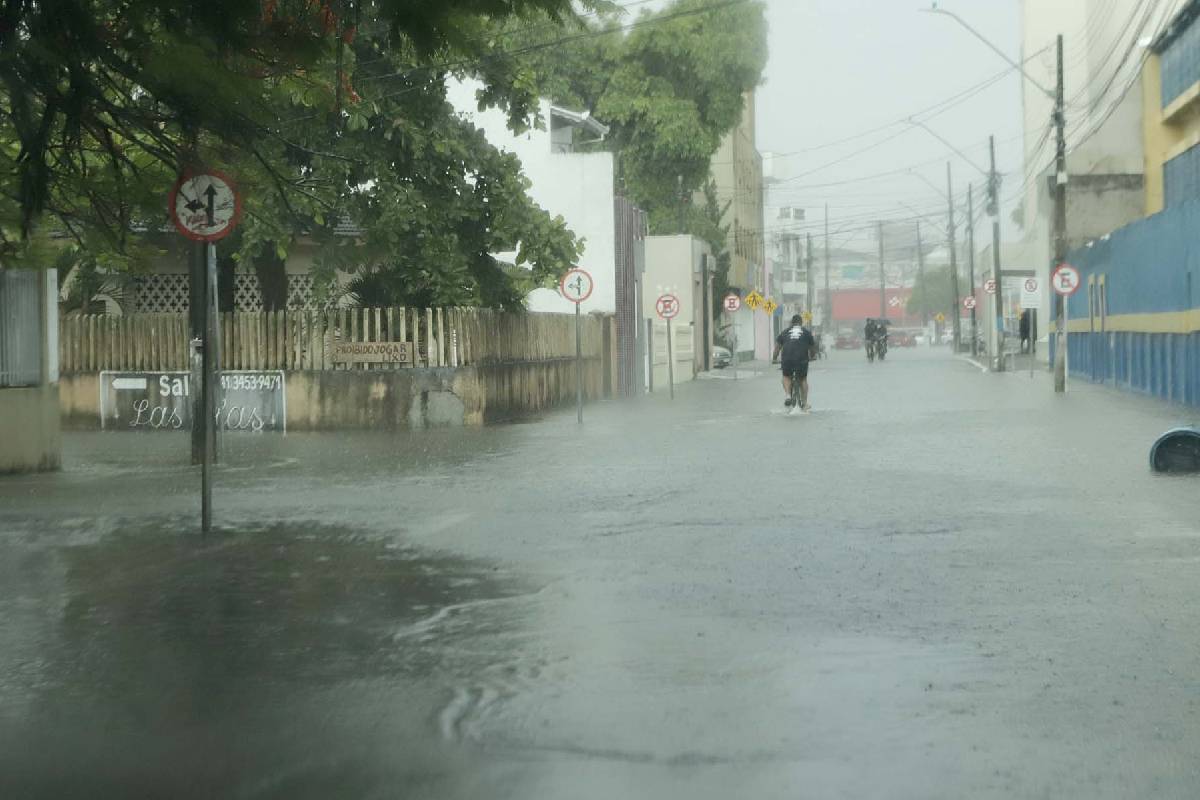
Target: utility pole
(971, 265)
(808, 268)
(882, 279)
(994, 211)
(1060, 224)
(957, 317)
(921, 278)
(827, 318)
(682, 207)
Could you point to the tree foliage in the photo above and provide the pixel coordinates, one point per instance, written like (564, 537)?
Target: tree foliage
(933, 293)
(329, 113)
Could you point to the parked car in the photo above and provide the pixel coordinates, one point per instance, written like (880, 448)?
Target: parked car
(902, 339)
(847, 341)
(721, 357)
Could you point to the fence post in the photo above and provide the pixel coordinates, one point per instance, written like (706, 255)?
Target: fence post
(429, 349)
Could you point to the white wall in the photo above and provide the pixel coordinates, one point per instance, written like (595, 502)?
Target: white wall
(576, 186)
(671, 264)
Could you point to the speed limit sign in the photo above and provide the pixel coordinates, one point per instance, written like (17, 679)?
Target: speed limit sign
(732, 303)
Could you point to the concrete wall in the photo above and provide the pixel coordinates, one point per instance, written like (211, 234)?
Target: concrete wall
(29, 429)
(389, 400)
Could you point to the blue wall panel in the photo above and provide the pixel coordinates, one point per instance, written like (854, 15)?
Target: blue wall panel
(1149, 267)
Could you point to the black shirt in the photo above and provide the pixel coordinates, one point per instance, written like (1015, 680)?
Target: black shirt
(797, 342)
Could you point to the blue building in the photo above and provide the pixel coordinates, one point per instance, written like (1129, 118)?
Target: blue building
(1135, 321)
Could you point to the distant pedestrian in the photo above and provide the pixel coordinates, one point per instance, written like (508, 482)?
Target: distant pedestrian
(1026, 345)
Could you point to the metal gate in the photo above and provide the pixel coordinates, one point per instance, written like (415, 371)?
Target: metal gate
(20, 325)
(631, 263)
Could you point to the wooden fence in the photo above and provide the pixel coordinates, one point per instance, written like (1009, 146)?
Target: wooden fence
(303, 340)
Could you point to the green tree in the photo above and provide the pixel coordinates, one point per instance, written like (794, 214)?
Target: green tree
(670, 85)
(932, 293)
(324, 112)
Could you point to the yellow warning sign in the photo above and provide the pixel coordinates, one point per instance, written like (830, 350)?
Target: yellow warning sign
(940, 317)
(807, 317)
(770, 306)
(755, 301)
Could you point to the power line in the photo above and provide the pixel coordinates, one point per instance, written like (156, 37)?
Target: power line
(926, 113)
(590, 34)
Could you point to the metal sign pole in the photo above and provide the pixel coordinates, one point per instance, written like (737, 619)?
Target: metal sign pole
(670, 361)
(735, 350)
(578, 367)
(209, 378)
(1063, 341)
(1032, 340)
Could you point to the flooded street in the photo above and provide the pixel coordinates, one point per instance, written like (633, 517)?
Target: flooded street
(914, 592)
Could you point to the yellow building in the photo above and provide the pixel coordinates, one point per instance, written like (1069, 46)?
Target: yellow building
(1171, 112)
(737, 170)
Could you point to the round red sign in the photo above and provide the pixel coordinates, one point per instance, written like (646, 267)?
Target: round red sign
(667, 306)
(576, 285)
(205, 206)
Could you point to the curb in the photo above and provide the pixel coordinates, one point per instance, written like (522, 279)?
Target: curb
(973, 362)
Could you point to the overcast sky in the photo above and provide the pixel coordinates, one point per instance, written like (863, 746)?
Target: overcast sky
(840, 68)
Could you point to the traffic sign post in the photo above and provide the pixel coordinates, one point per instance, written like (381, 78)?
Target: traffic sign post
(1065, 281)
(205, 207)
(577, 286)
(667, 307)
(732, 305)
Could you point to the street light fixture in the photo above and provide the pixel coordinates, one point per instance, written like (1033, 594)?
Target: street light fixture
(1015, 65)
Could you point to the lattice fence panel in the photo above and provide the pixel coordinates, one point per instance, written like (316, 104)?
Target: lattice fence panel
(157, 294)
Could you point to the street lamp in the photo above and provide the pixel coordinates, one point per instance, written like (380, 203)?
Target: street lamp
(1015, 65)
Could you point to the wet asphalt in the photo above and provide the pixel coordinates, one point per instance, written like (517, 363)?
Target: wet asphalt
(940, 584)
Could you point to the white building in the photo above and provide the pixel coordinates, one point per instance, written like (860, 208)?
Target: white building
(1104, 44)
(576, 186)
(787, 232)
(675, 266)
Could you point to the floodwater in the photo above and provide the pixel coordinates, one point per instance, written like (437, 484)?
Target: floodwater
(941, 583)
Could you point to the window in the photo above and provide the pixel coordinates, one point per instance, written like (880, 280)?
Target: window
(1181, 63)
(1181, 177)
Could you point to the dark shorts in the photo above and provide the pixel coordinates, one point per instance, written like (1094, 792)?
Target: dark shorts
(795, 369)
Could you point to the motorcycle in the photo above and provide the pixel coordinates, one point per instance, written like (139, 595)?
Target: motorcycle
(877, 348)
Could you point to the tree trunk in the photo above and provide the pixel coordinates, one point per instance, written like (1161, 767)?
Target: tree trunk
(226, 296)
(272, 279)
